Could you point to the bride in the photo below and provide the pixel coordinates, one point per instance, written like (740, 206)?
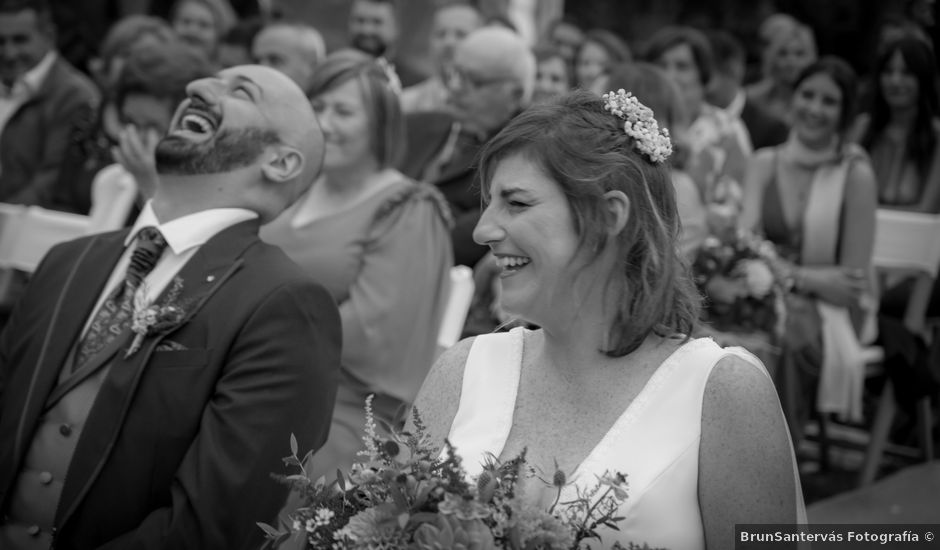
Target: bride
(581, 217)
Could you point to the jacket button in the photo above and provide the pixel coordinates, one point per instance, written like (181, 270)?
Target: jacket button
(65, 430)
(45, 478)
(33, 530)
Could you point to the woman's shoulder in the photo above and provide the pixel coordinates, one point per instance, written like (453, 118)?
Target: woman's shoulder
(405, 193)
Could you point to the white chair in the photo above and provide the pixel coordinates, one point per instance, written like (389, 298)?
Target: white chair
(458, 305)
(28, 232)
(906, 244)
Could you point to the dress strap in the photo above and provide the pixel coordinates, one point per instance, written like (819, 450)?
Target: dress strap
(488, 397)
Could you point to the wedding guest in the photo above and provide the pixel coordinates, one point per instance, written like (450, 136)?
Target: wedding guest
(91, 142)
(814, 197)
(374, 28)
(900, 132)
(44, 100)
(901, 128)
(717, 147)
(492, 81)
(552, 74)
(790, 49)
(203, 23)
(582, 218)
(378, 241)
(295, 49)
(598, 53)
(451, 24)
(726, 91)
(169, 430)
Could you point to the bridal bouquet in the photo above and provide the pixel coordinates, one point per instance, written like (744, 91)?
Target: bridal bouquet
(744, 281)
(408, 495)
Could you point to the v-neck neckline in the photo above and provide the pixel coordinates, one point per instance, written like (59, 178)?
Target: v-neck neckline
(633, 410)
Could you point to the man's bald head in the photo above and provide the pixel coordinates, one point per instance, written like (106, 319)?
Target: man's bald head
(497, 53)
(255, 127)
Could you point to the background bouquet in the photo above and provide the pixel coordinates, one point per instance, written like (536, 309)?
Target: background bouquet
(407, 494)
(744, 281)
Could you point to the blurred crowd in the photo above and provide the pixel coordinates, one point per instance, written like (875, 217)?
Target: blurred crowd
(802, 156)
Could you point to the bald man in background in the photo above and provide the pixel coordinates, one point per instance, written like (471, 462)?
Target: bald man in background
(491, 81)
(170, 424)
(294, 49)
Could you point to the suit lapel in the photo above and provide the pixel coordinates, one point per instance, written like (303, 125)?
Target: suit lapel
(71, 310)
(202, 276)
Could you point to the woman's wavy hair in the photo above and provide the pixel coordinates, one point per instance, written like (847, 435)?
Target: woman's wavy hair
(919, 59)
(379, 95)
(584, 149)
(844, 76)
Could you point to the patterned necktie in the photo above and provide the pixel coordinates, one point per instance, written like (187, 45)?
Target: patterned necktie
(114, 315)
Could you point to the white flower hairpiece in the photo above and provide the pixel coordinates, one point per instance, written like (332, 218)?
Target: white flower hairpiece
(390, 74)
(639, 123)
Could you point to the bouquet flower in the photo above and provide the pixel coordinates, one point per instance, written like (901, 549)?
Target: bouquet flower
(408, 495)
(745, 282)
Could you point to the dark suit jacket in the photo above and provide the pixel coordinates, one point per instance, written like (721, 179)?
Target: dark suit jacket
(765, 129)
(35, 139)
(178, 448)
(427, 132)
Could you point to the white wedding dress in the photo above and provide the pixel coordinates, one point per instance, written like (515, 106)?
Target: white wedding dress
(655, 442)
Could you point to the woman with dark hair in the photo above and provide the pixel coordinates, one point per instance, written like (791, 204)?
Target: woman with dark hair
(600, 51)
(716, 145)
(581, 216)
(380, 242)
(901, 128)
(815, 198)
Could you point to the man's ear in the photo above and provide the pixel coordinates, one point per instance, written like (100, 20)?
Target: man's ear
(618, 211)
(282, 163)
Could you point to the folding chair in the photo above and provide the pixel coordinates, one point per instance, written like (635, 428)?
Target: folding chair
(908, 244)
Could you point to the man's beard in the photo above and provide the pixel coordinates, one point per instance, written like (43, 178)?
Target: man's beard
(369, 43)
(226, 151)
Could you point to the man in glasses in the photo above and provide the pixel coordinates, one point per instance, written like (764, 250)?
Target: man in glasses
(490, 81)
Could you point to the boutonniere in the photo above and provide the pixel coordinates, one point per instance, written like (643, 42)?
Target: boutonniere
(151, 318)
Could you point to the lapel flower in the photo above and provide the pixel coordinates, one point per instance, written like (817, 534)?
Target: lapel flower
(149, 318)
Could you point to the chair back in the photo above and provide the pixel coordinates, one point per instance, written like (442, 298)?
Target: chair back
(458, 305)
(28, 232)
(908, 243)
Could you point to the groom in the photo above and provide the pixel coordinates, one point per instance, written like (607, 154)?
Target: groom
(150, 379)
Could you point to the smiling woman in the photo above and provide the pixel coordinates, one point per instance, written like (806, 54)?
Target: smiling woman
(581, 217)
(814, 197)
(378, 241)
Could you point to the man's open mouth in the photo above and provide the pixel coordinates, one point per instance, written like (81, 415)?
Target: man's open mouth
(197, 121)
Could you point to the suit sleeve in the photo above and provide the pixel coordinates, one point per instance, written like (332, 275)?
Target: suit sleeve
(75, 108)
(280, 378)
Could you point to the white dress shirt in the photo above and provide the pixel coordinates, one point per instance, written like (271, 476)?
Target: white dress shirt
(184, 237)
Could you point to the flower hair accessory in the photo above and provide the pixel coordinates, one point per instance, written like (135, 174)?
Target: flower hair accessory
(390, 74)
(639, 123)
